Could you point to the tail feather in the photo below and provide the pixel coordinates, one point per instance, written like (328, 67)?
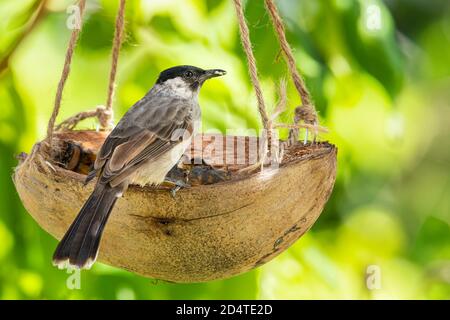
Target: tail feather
(79, 246)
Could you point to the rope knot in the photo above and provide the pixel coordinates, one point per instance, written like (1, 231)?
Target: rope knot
(105, 116)
(307, 113)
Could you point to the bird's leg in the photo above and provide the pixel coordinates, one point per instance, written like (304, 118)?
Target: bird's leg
(176, 185)
(176, 179)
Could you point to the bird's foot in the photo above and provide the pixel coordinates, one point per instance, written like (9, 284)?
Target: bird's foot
(176, 185)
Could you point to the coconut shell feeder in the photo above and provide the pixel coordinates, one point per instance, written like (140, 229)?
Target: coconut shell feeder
(218, 227)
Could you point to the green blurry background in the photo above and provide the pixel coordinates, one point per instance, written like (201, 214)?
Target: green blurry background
(379, 73)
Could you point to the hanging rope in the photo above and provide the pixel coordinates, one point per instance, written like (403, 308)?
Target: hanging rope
(65, 74)
(103, 113)
(118, 34)
(287, 51)
(253, 70)
(306, 112)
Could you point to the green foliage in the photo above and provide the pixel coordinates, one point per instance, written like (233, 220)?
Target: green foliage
(381, 86)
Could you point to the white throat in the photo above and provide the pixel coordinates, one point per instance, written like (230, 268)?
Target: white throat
(180, 88)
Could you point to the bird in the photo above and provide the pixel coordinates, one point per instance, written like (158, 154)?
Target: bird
(147, 142)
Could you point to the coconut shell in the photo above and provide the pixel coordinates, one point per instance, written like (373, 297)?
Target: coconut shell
(206, 232)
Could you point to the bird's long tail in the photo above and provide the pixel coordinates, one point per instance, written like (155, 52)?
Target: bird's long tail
(79, 246)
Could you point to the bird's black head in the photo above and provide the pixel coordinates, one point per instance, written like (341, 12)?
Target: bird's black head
(192, 76)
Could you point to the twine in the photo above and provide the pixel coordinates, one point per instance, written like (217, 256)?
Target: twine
(64, 75)
(306, 112)
(308, 109)
(104, 114)
(251, 61)
(118, 35)
(101, 112)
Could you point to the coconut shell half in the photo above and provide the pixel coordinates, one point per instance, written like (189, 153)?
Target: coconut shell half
(207, 232)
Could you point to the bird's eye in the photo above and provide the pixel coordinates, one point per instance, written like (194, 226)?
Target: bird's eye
(189, 74)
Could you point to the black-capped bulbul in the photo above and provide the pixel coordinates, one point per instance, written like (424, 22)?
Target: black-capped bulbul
(147, 142)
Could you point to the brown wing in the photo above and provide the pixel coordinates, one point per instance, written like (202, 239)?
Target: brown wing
(150, 128)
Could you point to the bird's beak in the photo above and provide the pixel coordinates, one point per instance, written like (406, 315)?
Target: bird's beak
(213, 73)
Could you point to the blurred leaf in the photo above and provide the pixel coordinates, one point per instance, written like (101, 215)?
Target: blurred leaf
(370, 34)
(6, 241)
(432, 242)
